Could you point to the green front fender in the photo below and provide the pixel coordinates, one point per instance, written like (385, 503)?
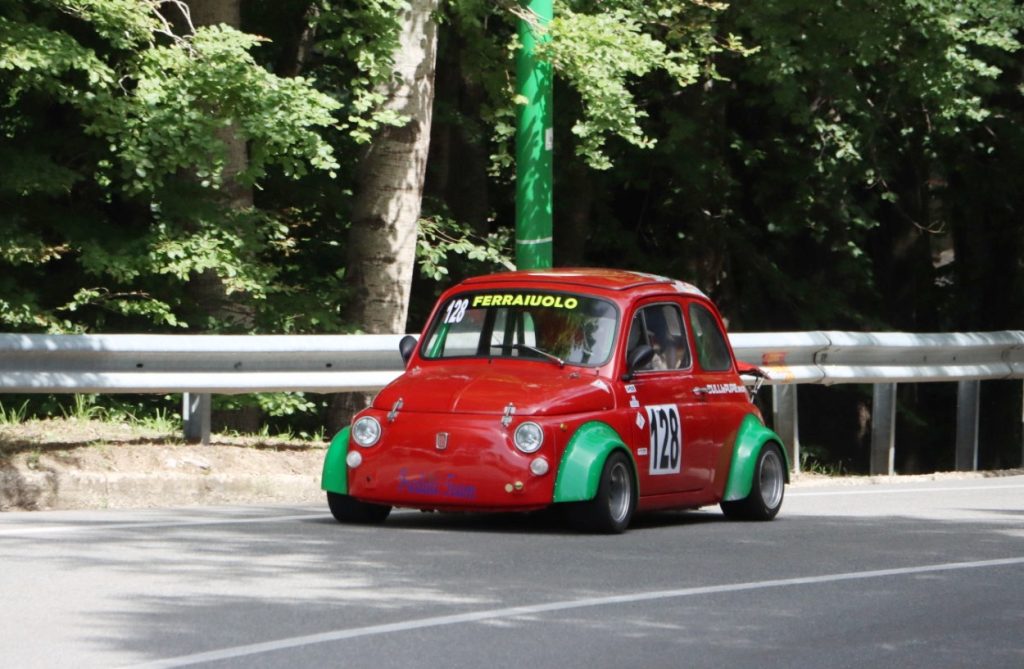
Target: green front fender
(580, 470)
(335, 476)
(752, 436)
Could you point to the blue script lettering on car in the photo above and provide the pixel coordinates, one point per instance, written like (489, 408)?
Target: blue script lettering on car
(458, 490)
(421, 484)
(417, 485)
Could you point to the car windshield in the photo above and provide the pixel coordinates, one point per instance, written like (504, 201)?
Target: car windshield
(565, 328)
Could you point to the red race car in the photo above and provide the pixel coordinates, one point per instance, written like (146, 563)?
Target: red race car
(603, 392)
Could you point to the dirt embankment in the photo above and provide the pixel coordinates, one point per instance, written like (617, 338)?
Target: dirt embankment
(76, 464)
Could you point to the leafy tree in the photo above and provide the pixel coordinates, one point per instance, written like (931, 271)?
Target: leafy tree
(113, 162)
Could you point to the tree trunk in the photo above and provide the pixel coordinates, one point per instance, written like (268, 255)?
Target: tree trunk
(227, 12)
(382, 242)
(207, 288)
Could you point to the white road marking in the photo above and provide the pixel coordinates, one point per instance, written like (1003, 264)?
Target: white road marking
(129, 525)
(535, 609)
(899, 491)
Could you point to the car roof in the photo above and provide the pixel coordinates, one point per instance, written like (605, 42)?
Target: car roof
(616, 280)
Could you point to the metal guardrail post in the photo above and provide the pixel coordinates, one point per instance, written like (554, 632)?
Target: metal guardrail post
(883, 429)
(785, 421)
(195, 414)
(968, 402)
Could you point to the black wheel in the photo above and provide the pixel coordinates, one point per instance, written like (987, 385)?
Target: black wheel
(766, 490)
(612, 507)
(347, 509)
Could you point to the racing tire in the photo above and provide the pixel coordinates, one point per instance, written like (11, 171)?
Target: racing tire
(612, 507)
(766, 491)
(346, 509)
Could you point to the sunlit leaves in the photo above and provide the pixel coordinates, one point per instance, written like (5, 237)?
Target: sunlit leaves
(442, 239)
(112, 112)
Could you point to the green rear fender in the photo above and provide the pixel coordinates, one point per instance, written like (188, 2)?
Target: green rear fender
(335, 476)
(752, 436)
(580, 470)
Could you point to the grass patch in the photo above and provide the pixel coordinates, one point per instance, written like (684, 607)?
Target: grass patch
(812, 461)
(14, 415)
(161, 420)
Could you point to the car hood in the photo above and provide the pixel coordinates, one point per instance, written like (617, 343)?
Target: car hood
(533, 389)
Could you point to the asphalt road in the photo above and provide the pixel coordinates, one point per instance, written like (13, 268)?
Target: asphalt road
(926, 574)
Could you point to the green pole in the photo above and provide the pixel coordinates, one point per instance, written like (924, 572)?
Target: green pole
(534, 144)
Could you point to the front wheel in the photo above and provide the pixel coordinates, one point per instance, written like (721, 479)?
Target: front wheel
(612, 507)
(346, 509)
(766, 490)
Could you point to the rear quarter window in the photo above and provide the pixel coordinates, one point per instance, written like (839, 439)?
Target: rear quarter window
(712, 348)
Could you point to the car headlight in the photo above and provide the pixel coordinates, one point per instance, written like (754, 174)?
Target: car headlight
(366, 431)
(528, 437)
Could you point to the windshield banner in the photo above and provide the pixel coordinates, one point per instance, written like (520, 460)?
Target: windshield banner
(525, 300)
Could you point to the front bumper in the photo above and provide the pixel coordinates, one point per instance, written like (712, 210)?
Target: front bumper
(451, 462)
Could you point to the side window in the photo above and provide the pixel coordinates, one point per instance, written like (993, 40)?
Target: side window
(660, 326)
(712, 350)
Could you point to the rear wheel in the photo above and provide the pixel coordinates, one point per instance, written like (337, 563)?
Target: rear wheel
(612, 507)
(766, 490)
(346, 509)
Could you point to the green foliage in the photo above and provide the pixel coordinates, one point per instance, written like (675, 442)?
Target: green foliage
(85, 407)
(272, 404)
(160, 420)
(605, 49)
(815, 460)
(184, 94)
(14, 415)
(818, 157)
(114, 159)
(363, 36)
(442, 239)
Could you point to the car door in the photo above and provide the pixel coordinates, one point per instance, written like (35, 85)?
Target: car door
(722, 398)
(668, 421)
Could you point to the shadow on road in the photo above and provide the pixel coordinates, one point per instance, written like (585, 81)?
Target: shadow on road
(170, 591)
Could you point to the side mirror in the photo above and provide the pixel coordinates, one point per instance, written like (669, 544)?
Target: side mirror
(637, 358)
(406, 346)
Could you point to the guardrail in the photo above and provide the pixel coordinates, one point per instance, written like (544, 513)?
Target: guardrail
(884, 359)
(200, 365)
(197, 366)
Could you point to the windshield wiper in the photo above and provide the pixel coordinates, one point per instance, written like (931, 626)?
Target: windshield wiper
(531, 349)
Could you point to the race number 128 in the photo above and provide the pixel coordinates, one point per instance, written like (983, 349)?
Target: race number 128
(456, 311)
(666, 439)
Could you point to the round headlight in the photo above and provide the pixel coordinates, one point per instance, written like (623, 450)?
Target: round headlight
(528, 437)
(366, 431)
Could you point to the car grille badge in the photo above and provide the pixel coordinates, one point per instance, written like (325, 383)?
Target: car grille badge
(441, 441)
